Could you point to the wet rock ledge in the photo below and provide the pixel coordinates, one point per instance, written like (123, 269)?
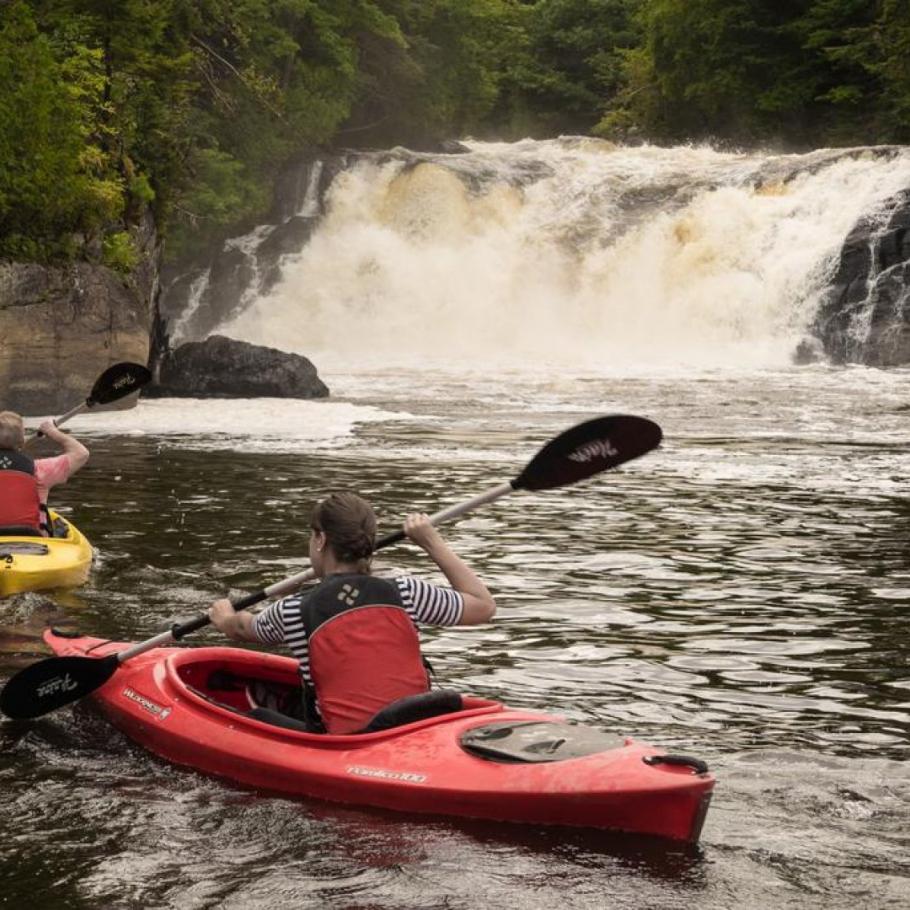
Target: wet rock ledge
(864, 316)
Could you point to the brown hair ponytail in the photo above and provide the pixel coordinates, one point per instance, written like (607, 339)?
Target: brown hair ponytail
(349, 525)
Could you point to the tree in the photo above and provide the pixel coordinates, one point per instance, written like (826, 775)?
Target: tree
(801, 72)
(56, 178)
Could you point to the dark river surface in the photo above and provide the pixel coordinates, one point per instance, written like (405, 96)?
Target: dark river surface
(742, 594)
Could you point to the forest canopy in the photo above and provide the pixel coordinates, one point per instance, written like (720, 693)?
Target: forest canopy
(191, 107)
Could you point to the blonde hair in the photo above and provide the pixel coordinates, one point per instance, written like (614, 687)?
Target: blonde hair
(349, 525)
(12, 432)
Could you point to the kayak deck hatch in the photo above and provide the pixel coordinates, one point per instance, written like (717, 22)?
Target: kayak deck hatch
(533, 741)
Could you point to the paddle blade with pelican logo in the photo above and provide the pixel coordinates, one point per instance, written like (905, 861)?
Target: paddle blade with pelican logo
(117, 382)
(587, 449)
(52, 683)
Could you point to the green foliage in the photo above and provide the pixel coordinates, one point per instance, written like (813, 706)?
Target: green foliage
(888, 60)
(223, 193)
(805, 72)
(119, 252)
(141, 190)
(56, 179)
(575, 58)
(704, 65)
(439, 73)
(191, 107)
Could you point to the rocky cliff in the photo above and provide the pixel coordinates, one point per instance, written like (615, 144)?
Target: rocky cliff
(865, 314)
(61, 326)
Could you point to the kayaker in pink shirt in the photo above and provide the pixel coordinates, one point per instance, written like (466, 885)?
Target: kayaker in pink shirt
(26, 482)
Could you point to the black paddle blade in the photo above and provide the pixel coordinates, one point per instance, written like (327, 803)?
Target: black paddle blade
(588, 449)
(53, 683)
(117, 382)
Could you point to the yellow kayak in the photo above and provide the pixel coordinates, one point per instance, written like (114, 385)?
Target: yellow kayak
(40, 563)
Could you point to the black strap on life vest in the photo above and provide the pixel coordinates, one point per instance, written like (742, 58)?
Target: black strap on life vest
(47, 523)
(345, 591)
(14, 460)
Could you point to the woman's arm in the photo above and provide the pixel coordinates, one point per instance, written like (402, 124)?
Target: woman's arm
(479, 606)
(233, 623)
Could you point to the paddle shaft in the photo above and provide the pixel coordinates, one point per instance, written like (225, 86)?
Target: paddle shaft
(62, 419)
(576, 454)
(289, 585)
(70, 413)
(453, 511)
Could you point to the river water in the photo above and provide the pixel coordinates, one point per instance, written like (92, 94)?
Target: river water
(740, 594)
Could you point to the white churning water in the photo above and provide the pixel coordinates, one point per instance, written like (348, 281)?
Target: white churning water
(572, 251)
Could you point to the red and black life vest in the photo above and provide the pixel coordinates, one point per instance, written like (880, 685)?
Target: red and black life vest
(364, 650)
(20, 505)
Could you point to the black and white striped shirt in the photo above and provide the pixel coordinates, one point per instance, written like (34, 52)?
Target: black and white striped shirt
(282, 622)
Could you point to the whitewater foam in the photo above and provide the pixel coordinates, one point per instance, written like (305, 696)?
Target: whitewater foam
(572, 252)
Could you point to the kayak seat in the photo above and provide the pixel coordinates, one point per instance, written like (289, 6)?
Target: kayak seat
(277, 719)
(403, 711)
(275, 703)
(412, 708)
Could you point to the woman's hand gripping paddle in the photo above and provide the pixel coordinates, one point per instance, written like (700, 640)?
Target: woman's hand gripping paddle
(581, 452)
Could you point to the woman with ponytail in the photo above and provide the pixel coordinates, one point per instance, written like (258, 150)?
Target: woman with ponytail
(354, 634)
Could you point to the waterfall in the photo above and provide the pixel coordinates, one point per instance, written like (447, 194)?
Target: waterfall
(570, 251)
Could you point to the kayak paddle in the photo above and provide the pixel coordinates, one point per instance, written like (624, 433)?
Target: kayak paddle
(576, 454)
(116, 382)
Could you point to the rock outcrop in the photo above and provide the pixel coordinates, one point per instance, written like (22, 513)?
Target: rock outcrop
(221, 367)
(61, 326)
(197, 298)
(865, 315)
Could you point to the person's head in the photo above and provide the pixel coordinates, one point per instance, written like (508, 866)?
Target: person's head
(12, 432)
(345, 525)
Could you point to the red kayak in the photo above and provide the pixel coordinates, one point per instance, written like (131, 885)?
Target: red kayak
(192, 706)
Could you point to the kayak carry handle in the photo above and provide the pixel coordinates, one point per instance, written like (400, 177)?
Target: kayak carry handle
(687, 761)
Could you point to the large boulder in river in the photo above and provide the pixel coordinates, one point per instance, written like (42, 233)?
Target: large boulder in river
(221, 367)
(865, 315)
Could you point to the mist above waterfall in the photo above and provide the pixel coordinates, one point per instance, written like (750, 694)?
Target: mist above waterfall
(571, 251)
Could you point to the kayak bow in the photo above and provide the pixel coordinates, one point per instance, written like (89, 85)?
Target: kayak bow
(42, 563)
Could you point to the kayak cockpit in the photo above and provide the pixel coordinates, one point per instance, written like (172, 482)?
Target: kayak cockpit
(224, 681)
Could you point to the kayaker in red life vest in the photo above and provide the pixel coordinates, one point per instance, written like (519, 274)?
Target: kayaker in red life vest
(25, 482)
(354, 634)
